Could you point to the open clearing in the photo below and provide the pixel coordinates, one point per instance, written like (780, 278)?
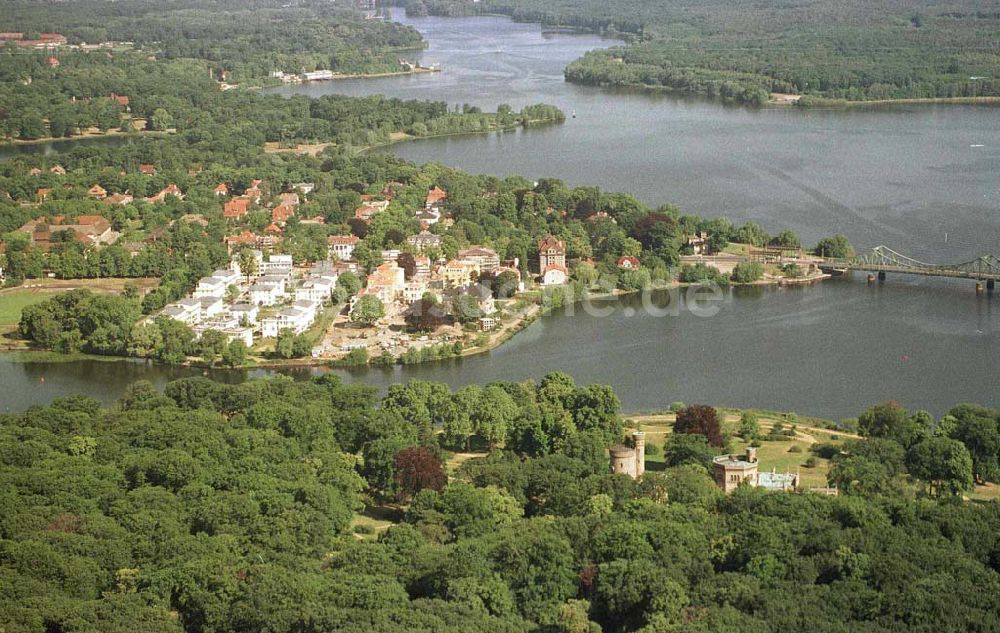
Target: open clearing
(14, 300)
(781, 456)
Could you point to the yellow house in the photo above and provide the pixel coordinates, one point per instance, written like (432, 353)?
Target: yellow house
(459, 272)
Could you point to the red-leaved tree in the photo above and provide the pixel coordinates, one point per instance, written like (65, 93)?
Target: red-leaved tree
(702, 420)
(417, 469)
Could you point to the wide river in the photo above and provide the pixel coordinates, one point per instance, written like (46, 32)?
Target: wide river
(924, 180)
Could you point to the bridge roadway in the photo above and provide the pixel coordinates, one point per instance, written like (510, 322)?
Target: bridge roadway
(883, 260)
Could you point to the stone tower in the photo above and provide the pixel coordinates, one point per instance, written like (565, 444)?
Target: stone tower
(639, 440)
(623, 460)
(630, 460)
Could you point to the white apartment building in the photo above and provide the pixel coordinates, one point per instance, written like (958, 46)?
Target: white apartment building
(211, 307)
(244, 310)
(315, 289)
(264, 294)
(210, 287)
(277, 264)
(186, 311)
(295, 319)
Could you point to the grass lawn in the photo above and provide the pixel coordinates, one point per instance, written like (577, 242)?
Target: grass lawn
(457, 459)
(323, 321)
(770, 455)
(369, 524)
(734, 248)
(988, 492)
(776, 456)
(13, 300)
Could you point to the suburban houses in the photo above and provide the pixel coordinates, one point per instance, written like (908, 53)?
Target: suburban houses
(244, 306)
(424, 240)
(273, 294)
(273, 222)
(91, 230)
(342, 246)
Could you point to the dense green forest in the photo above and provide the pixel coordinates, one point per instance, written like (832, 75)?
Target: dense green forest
(845, 50)
(247, 40)
(213, 507)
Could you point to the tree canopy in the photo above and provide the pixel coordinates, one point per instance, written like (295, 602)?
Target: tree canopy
(177, 510)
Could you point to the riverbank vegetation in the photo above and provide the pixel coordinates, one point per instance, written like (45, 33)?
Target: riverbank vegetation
(145, 65)
(239, 42)
(326, 508)
(13, 301)
(847, 50)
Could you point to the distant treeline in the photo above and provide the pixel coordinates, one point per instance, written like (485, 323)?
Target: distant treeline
(845, 50)
(248, 40)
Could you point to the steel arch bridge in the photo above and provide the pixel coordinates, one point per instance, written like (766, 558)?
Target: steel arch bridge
(883, 259)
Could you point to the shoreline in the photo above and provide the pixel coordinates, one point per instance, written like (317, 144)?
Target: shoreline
(13, 142)
(403, 137)
(823, 102)
(501, 336)
(628, 37)
(314, 149)
(394, 73)
(786, 101)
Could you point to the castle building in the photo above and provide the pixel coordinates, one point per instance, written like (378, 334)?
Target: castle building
(628, 460)
(730, 471)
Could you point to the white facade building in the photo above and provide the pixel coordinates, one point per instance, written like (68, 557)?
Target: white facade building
(277, 264)
(211, 307)
(554, 275)
(317, 289)
(242, 334)
(244, 310)
(210, 287)
(318, 75)
(414, 290)
(278, 281)
(264, 294)
(229, 275)
(342, 246)
(186, 311)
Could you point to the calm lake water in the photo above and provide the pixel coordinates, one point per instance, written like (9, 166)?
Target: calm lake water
(904, 176)
(907, 177)
(56, 147)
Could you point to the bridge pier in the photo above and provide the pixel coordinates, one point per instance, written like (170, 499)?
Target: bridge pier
(979, 287)
(990, 284)
(871, 279)
(881, 275)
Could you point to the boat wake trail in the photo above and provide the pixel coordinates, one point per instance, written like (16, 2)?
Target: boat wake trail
(836, 208)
